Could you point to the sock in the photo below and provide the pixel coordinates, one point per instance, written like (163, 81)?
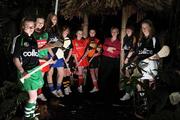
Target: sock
(51, 86)
(39, 91)
(29, 109)
(58, 86)
(95, 84)
(80, 80)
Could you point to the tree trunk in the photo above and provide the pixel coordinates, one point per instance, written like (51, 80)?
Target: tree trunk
(127, 11)
(85, 25)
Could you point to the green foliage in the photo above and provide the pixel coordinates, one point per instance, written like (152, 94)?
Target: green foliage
(10, 98)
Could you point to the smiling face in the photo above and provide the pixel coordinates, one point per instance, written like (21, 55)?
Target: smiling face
(29, 27)
(65, 32)
(146, 29)
(129, 32)
(54, 20)
(92, 33)
(79, 34)
(114, 32)
(39, 23)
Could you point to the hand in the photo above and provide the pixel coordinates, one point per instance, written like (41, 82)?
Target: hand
(52, 61)
(96, 54)
(25, 75)
(111, 49)
(154, 57)
(126, 61)
(66, 60)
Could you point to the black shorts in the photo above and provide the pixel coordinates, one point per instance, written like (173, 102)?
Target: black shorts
(71, 63)
(95, 62)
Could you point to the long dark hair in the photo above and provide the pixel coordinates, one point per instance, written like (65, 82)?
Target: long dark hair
(49, 23)
(152, 30)
(62, 30)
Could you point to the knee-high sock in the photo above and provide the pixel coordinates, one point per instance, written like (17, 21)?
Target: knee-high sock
(51, 86)
(39, 91)
(29, 110)
(80, 80)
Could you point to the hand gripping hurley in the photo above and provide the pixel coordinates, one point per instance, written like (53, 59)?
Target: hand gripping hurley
(59, 54)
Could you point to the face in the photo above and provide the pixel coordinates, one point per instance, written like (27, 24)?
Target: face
(29, 27)
(39, 23)
(79, 34)
(114, 32)
(145, 29)
(92, 33)
(54, 20)
(129, 32)
(65, 33)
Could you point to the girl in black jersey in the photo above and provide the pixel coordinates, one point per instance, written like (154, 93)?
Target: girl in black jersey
(53, 33)
(26, 59)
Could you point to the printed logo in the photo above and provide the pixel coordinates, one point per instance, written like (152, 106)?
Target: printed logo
(26, 44)
(30, 53)
(53, 39)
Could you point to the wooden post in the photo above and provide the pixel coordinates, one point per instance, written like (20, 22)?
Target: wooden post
(56, 7)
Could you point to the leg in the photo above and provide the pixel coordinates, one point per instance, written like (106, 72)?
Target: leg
(31, 104)
(80, 78)
(50, 79)
(60, 75)
(94, 80)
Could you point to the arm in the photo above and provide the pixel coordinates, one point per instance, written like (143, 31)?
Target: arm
(18, 64)
(69, 55)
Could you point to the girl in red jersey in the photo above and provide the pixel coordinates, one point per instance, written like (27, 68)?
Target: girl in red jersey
(78, 51)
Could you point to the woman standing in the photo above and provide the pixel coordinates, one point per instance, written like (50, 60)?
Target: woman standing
(110, 66)
(148, 45)
(41, 37)
(53, 32)
(78, 51)
(26, 59)
(94, 58)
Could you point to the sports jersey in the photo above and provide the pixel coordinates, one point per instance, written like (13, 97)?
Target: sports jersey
(95, 43)
(53, 35)
(116, 44)
(27, 51)
(147, 47)
(66, 52)
(79, 47)
(128, 43)
(41, 39)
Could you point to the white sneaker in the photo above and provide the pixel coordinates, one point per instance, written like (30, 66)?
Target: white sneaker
(69, 89)
(54, 92)
(125, 97)
(66, 91)
(94, 90)
(60, 93)
(80, 89)
(42, 97)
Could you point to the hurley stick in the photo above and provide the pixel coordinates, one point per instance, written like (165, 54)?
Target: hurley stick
(59, 54)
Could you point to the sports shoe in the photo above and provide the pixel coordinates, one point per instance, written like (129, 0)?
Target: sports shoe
(94, 90)
(66, 91)
(60, 93)
(54, 92)
(80, 89)
(69, 89)
(42, 97)
(125, 97)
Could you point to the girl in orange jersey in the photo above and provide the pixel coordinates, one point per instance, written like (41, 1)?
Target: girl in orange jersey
(78, 51)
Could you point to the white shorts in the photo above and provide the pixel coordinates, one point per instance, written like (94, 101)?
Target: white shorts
(149, 69)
